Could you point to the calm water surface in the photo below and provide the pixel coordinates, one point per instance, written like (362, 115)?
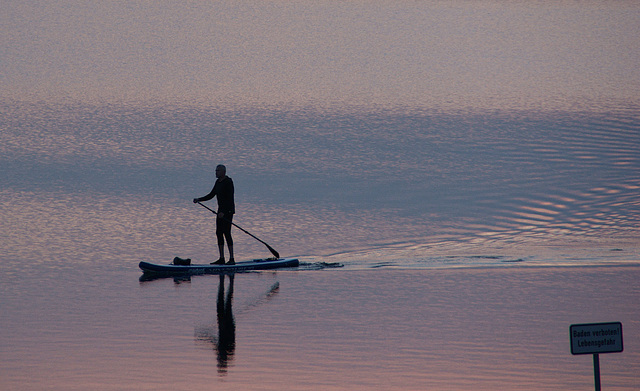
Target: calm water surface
(460, 329)
(461, 182)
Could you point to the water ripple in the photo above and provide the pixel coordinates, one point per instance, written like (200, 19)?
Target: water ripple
(358, 184)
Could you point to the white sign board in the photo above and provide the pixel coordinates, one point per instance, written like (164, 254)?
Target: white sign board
(594, 338)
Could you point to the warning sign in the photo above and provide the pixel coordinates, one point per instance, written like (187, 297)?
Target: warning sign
(596, 338)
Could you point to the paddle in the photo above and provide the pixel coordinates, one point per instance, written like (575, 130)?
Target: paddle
(274, 252)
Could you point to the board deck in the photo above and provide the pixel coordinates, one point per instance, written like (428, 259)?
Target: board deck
(256, 264)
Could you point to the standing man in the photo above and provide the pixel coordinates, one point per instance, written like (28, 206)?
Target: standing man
(223, 189)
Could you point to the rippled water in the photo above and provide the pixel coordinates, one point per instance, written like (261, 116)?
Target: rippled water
(366, 187)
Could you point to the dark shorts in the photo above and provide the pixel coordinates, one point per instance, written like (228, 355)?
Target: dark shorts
(223, 230)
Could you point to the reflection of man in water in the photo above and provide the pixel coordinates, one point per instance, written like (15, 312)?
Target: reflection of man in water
(226, 343)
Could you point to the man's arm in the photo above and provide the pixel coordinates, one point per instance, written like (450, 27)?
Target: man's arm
(209, 196)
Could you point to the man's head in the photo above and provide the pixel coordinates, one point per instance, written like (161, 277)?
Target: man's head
(221, 171)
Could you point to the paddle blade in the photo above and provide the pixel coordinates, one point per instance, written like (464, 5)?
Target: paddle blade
(274, 252)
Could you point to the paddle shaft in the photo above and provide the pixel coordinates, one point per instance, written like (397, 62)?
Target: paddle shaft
(274, 252)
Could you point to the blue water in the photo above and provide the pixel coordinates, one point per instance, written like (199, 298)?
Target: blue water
(397, 187)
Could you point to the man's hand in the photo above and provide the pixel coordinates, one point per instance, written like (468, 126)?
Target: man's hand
(196, 200)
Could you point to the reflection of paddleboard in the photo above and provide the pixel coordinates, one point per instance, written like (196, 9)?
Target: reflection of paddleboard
(256, 264)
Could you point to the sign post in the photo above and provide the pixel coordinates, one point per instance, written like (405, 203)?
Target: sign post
(596, 338)
(596, 370)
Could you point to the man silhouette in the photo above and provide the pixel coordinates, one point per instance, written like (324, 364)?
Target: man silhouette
(223, 190)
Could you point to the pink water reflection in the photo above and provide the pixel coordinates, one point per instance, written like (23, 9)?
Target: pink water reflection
(454, 329)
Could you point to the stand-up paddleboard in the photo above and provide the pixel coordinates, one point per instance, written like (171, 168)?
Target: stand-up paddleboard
(256, 264)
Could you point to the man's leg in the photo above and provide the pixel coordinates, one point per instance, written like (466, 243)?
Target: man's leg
(220, 237)
(231, 259)
(227, 235)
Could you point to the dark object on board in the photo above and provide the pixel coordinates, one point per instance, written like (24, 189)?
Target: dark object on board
(181, 261)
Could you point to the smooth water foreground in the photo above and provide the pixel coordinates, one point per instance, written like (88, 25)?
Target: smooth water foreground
(481, 329)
